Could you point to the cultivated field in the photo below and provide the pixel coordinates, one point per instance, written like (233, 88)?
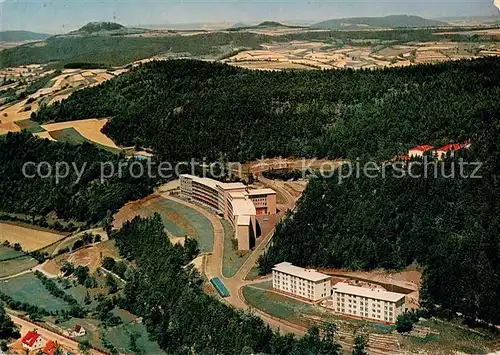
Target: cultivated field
(90, 129)
(322, 55)
(27, 288)
(7, 253)
(16, 266)
(57, 88)
(30, 239)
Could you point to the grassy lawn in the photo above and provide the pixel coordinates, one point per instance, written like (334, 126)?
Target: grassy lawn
(9, 253)
(27, 288)
(180, 219)
(233, 260)
(278, 305)
(71, 135)
(30, 126)
(453, 338)
(120, 337)
(253, 274)
(15, 266)
(68, 135)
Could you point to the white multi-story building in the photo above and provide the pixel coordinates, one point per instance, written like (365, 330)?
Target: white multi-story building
(366, 303)
(234, 201)
(303, 283)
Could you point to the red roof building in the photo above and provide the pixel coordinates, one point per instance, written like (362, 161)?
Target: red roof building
(51, 348)
(422, 148)
(441, 152)
(32, 340)
(419, 150)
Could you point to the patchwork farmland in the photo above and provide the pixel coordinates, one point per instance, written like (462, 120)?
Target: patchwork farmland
(29, 238)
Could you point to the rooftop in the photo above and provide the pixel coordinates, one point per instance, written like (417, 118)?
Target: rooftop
(257, 192)
(204, 181)
(232, 185)
(308, 274)
(451, 147)
(50, 348)
(214, 183)
(243, 206)
(422, 148)
(30, 338)
(368, 293)
(243, 220)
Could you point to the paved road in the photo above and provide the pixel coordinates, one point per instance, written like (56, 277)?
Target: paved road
(48, 335)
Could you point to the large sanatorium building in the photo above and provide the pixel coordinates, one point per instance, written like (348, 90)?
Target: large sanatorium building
(234, 201)
(354, 301)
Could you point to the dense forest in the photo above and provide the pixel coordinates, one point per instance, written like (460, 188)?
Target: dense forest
(187, 109)
(185, 320)
(84, 199)
(447, 225)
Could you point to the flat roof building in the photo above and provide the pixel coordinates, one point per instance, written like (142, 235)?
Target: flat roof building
(367, 303)
(233, 201)
(306, 284)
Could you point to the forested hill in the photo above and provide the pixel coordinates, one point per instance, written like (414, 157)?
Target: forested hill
(447, 225)
(70, 198)
(189, 109)
(15, 36)
(93, 27)
(392, 21)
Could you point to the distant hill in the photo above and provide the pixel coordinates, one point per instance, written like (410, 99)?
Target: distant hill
(17, 36)
(379, 22)
(93, 27)
(240, 25)
(268, 24)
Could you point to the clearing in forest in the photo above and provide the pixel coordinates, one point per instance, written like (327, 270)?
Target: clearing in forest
(89, 129)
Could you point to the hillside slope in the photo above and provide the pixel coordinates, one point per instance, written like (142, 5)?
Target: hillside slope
(18, 36)
(392, 21)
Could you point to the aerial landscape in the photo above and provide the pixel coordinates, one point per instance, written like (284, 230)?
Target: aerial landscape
(302, 178)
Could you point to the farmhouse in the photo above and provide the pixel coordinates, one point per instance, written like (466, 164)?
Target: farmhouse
(78, 331)
(32, 341)
(306, 284)
(367, 303)
(233, 201)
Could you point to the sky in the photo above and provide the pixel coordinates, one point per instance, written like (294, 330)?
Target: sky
(61, 16)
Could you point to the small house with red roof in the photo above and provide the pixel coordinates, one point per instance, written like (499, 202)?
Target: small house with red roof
(419, 150)
(50, 348)
(32, 341)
